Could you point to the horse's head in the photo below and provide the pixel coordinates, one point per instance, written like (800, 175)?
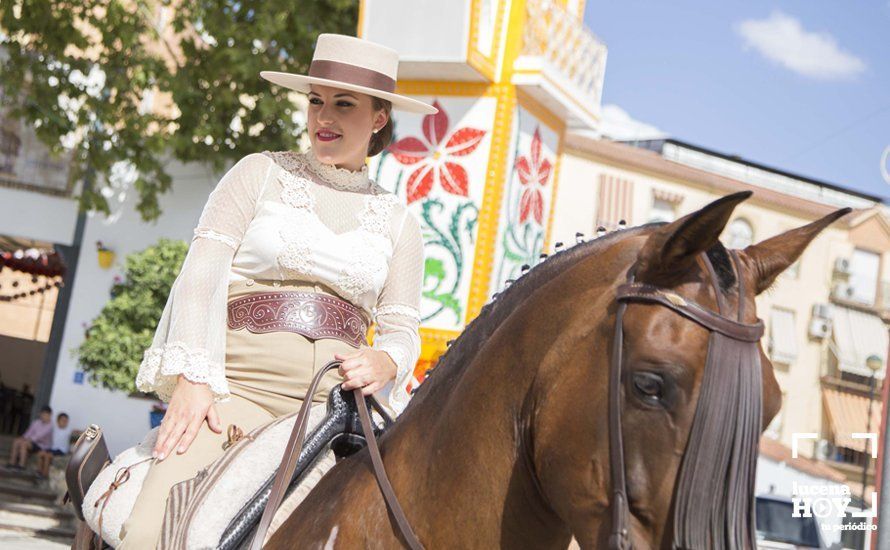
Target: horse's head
(688, 454)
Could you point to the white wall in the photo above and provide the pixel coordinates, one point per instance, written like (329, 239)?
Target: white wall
(442, 35)
(31, 215)
(124, 419)
(574, 207)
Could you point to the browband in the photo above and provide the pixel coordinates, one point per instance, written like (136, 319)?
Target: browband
(745, 332)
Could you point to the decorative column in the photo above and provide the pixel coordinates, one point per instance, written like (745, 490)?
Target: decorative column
(508, 77)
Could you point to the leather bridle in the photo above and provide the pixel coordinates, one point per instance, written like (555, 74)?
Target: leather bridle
(619, 538)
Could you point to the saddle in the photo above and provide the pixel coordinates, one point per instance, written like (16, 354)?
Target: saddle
(340, 428)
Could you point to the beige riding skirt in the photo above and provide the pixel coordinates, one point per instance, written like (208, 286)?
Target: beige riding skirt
(268, 376)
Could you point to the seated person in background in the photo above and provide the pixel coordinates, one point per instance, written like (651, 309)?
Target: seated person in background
(38, 436)
(61, 444)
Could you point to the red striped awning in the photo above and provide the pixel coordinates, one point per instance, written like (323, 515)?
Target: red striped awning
(848, 414)
(615, 201)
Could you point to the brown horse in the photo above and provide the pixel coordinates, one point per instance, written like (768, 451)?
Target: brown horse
(507, 445)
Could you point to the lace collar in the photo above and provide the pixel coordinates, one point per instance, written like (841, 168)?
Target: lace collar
(339, 178)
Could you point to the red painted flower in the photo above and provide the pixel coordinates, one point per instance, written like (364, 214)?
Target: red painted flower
(433, 159)
(533, 172)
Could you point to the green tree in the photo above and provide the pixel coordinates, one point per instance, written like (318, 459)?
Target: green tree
(115, 341)
(77, 71)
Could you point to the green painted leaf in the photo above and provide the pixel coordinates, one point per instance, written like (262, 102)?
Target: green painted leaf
(434, 267)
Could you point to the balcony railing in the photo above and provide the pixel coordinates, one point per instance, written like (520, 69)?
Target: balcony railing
(560, 40)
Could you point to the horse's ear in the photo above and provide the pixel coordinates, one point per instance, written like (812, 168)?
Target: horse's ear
(771, 257)
(670, 252)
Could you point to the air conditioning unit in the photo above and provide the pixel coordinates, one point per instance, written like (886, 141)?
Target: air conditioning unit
(820, 328)
(822, 311)
(842, 269)
(842, 291)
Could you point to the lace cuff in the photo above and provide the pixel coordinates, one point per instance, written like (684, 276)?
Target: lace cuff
(394, 393)
(398, 309)
(161, 367)
(213, 235)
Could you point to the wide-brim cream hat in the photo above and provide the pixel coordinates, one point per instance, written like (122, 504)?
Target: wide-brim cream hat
(352, 64)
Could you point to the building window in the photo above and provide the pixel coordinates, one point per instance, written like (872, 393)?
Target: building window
(782, 336)
(662, 211)
(741, 234)
(864, 268)
(664, 205)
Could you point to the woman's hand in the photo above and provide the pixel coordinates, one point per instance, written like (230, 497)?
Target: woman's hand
(366, 368)
(190, 404)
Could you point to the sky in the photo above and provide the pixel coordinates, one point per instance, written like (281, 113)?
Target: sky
(802, 86)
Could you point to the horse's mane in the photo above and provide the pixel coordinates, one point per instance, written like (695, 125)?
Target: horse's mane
(458, 356)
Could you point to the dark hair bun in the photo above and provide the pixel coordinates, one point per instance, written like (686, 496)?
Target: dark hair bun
(383, 138)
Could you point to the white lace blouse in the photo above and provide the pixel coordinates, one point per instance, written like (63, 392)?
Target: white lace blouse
(286, 215)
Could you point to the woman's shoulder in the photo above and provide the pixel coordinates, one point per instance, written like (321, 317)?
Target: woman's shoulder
(290, 161)
(282, 157)
(257, 160)
(395, 204)
(247, 174)
(388, 208)
(400, 213)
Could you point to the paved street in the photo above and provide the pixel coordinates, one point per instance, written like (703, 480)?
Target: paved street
(14, 540)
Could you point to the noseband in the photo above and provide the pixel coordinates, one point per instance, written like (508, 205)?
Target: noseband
(744, 336)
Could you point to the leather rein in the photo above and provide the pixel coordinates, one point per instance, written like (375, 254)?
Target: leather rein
(292, 454)
(619, 538)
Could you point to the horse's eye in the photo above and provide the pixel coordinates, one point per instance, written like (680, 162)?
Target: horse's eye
(649, 385)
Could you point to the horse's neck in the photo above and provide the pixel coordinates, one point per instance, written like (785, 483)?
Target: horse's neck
(469, 441)
(472, 417)
(457, 463)
(461, 455)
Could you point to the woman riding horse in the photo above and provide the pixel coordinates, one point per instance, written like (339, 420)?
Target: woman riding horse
(293, 257)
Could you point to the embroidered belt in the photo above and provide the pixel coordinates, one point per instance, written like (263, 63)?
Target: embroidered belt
(312, 314)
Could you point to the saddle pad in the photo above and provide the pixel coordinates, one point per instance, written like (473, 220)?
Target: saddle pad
(121, 501)
(200, 509)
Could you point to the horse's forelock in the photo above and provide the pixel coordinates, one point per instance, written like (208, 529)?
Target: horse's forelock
(713, 505)
(719, 257)
(714, 493)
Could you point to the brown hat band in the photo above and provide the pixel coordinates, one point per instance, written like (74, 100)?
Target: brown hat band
(352, 74)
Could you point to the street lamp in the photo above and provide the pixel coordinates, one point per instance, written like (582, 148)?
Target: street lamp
(874, 364)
